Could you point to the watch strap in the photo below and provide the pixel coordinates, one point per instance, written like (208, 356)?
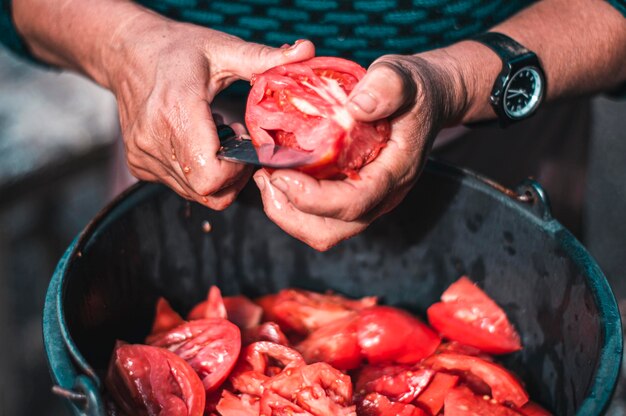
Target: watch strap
(505, 47)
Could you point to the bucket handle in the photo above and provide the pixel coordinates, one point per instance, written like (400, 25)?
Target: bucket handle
(529, 193)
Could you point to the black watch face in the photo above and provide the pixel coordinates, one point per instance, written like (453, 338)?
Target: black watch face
(523, 93)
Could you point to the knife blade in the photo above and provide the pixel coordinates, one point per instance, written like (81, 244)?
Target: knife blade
(239, 148)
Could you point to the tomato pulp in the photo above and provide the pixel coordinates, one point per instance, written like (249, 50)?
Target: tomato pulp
(302, 106)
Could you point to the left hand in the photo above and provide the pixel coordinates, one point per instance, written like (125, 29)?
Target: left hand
(416, 93)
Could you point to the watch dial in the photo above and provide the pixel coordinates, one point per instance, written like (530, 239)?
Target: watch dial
(523, 93)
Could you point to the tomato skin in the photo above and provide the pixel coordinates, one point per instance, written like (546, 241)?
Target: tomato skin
(165, 317)
(402, 385)
(504, 386)
(388, 334)
(468, 315)
(461, 401)
(146, 380)
(375, 404)
(336, 343)
(213, 307)
(267, 331)
(302, 105)
(210, 346)
(433, 396)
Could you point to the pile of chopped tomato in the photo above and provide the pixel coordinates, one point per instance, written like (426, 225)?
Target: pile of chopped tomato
(310, 354)
(302, 106)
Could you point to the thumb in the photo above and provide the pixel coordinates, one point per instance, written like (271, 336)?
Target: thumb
(385, 89)
(259, 58)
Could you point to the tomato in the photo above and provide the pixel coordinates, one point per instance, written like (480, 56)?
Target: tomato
(402, 385)
(276, 405)
(389, 334)
(213, 307)
(238, 405)
(318, 388)
(268, 331)
(433, 396)
(467, 315)
(504, 386)
(165, 317)
(376, 404)
(461, 401)
(210, 346)
(303, 311)
(533, 409)
(336, 343)
(302, 106)
(146, 380)
(242, 311)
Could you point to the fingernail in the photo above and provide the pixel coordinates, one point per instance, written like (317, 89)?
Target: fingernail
(280, 184)
(291, 49)
(260, 182)
(364, 101)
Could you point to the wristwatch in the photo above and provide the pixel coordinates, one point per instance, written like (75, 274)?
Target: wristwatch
(520, 87)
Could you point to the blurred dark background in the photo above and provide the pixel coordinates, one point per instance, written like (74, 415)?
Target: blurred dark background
(57, 144)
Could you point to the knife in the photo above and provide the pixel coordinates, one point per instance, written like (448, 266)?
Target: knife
(239, 148)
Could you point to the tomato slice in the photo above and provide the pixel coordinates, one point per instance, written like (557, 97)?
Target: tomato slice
(468, 315)
(504, 386)
(146, 380)
(165, 318)
(303, 311)
(375, 404)
(302, 106)
(433, 396)
(210, 346)
(388, 334)
(461, 401)
(336, 343)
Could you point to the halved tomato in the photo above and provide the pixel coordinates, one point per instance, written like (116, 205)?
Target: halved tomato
(147, 380)
(302, 106)
(210, 346)
(468, 315)
(388, 334)
(505, 388)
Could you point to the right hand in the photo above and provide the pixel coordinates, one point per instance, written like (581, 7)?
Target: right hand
(165, 76)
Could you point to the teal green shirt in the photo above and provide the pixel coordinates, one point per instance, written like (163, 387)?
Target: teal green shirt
(361, 30)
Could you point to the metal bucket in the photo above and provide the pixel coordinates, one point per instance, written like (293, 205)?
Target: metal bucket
(152, 243)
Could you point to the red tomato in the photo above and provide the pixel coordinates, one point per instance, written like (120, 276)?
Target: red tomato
(212, 307)
(165, 317)
(303, 311)
(389, 334)
(335, 343)
(302, 106)
(238, 405)
(504, 386)
(433, 396)
(210, 346)
(467, 315)
(268, 331)
(376, 404)
(402, 385)
(147, 380)
(317, 388)
(276, 405)
(461, 401)
(533, 409)
(242, 311)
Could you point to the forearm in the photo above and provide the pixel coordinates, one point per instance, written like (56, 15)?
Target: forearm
(82, 35)
(581, 44)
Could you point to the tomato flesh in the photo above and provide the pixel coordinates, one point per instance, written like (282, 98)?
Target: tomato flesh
(302, 106)
(467, 315)
(461, 401)
(375, 404)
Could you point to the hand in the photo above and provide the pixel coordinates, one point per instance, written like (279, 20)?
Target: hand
(165, 80)
(420, 97)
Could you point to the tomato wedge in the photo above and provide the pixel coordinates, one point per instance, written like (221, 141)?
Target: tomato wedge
(212, 307)
(402, 385)
(165, 318)
(388, 334)
(210, 346)
(146, 380)
(375, 404)
(467, 315)
(433, 396)
(302, 106)
(504, 386)
(461, 401)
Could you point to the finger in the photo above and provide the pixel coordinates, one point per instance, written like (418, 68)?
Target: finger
(254, 58)
(318, 232)
(196, 147)
(387, 88)
(145, 175)
(225, 197)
